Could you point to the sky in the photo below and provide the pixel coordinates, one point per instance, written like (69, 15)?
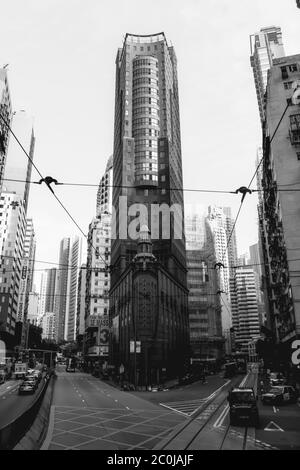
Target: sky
(61, 57)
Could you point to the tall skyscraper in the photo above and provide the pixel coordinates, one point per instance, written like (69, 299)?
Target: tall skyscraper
(147, 150)
(80, 324)
(202, 281)
(43, 293)
(48, 326)
(265, 45)
(147, 181)
(12, 229)
(281, 228)
(218, 224)
(28, 259)
(66, 285)
(6, 113)
(104, 193)
(97, 282)
(50, 289)
(18, 166)
(74, 262)
(97, 279)
(231, 239)
(255, 258)
(245, 316)
(61, 290)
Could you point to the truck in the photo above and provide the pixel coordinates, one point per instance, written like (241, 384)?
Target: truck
(243, 407)
(20, 370)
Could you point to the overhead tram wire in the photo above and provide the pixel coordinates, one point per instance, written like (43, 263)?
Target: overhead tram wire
(251, 181)
(245, 190)
(96, 185)
(68, 267)
(127, 187)
(48, 185)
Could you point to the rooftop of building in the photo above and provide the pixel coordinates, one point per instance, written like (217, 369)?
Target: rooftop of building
(148, 38)
(286, 59)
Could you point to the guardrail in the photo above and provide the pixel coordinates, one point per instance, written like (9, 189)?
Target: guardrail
(13, 432)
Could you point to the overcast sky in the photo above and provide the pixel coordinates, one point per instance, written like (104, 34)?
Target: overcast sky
(61, 57)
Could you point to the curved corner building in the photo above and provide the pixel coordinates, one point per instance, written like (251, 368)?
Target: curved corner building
(147, 148)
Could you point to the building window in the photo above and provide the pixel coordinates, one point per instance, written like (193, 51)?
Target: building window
(298, 155)
(287, 85)
(284, 73)
(293, 68)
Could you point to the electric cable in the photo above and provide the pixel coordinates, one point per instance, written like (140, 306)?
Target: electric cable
(46, 181)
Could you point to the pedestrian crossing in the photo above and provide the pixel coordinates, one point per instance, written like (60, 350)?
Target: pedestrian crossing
(185, 407)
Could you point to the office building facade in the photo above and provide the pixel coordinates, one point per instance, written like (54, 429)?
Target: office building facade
(149, 320)
(147, 150)
(147, 170)
(281, 227)
(265, 46)
(204, 303)
(244, 305)
(12, 227)
(28, 260)
(61, 290)
(18, 166)
(6, 113)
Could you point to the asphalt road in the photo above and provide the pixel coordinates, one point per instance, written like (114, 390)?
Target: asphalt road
(12, 404)
(280, 426)
(88, 413)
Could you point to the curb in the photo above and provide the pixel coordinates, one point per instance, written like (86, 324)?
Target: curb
(34, 438)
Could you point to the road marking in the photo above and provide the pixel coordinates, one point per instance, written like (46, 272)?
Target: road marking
(127, 408)
(3, 398)
(274, 409)
(116, 400)
(273, 427)
(173, 409)
(221, 418)
(189, 407)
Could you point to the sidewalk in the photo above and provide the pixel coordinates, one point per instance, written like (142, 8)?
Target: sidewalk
(168, 384)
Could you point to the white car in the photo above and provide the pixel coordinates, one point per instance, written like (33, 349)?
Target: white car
(280, 394)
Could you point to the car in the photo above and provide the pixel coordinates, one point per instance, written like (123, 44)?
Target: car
(26, 387)
(280, 394)
(32, 376)
(243, 407)
(276, 378)
(70, 369)
(38, 375)
(31, 380)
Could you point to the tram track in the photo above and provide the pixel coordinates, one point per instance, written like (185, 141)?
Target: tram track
(211, 408)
